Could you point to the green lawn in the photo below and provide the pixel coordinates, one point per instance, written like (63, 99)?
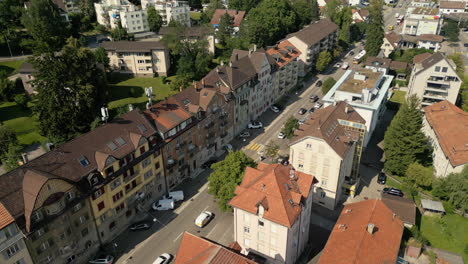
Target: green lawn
(449, 233)
(195, 15)
(398, 97)
(132, 91)
(11, 66)
(20, 120)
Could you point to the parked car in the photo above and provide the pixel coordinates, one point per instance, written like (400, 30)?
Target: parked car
(207, 164)
(175, 195)
(382, 178)
(318, 105)
(465, 45)
(142, 225)
(281, 135)
(393, 191)
(302, 111)
(284, 160)
(163, 259)
(313, 98)
(244, 134)
(337, 65)
(228, 147)
(257, 124)
(163, 205)
(102, 259)
(275, 109)
(318, 83)
(203, 218)
(345, 65)
(311, 110)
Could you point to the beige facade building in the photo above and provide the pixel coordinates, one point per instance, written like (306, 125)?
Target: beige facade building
(312, 39)
(446, 127)
(329, 146)
(140, 58)
(272, 212)
(434, 79)
(13, 248)
(170, 10)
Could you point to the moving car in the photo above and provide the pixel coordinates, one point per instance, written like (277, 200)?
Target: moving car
(281, 135)
(255, 125)
(275, 109)
(313, 98)
(393, 191)
(302, 111)
(142, 225)
(175, 195)
(163, 205)
(203, 218)
(207, 164)
(163, 259)
(102, 259)
(382, 178)
(318, 83)
(318, 105)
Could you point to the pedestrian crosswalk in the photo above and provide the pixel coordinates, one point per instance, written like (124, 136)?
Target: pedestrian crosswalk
(254, 146)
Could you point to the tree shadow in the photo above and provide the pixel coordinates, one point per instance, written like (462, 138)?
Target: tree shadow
(117, 92)
(116, 77)
(14, 111)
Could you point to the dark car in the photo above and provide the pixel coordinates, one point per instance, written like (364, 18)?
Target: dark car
(142, 225)
(382, 178)
(466, 45)
(284, 160)
(302, 111)
(312, 110)
(319, 83)
(393, 191)
(207, 164)
(314, 98)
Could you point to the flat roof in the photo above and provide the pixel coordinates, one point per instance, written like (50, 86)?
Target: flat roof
(353, 85)
(425, 11)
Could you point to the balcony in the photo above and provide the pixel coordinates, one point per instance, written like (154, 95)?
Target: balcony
(192, 148)
(436, 96)
(170, 163)
(131, 177)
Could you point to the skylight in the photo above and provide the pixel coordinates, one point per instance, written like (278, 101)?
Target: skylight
(142, 128)
(83, 161)
(120, 141)
(112, 145)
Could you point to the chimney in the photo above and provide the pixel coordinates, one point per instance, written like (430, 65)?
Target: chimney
(25, 157)
(346, 109)
(370, 228)
(181, 88)
(393, 217)
(197, 89)
(130, 107)
(250, 52)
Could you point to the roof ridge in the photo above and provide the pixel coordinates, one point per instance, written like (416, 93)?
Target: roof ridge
(361, 240)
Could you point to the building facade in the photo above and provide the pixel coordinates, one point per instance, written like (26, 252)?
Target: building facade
(329, 146)
(111, 13)
(139, 58)
(170, 10)
(272, 212)
(434, 79)
(445, 126)
(391, 42)
(453, 7)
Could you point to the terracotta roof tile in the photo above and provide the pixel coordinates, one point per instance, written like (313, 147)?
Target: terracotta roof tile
(404, 208)
(351, 243)
(168, 114)
(5, 217)
(393, 38)
(237, 15)
(283, 53)
(450, 125)
(315, 31)
(266, 185)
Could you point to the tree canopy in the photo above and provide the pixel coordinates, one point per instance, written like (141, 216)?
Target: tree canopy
(245, 5)
(304, 11)
(451, 30)
(69, 86)
(225, 28)
(290, 126)
(155, 21)
(227, 174)
(375, 28)
(419, 175)
(324, 58)
(454, 189)
(7, 137)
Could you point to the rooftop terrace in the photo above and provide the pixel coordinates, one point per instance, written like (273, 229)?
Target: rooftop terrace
(360, 79)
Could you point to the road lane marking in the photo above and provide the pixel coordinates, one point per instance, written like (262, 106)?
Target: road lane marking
(177, 237)
(212, 230)
(186, 203)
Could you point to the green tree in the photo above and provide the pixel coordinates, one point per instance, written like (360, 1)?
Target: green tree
(323, 60)
(69, 88)
(227, 174)
(315, 10)
(119, 33)
(454, 189)
(404, 142)
(225, 28)
(101, 57)
(46, 26)
(332, 11)
(304, 12)
(419, 175)
(197, 4)
(375, 28)
(7, 88)
(22, 100)
(155, 21)
(245, 5)
(87, 8)
(408, 55)
(271, 149)
(11, 157)
(451, 30)
(357, 31)
(212, 6)
(7, 137)
(290, 126)
(327, 85)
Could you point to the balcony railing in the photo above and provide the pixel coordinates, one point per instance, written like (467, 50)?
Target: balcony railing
(131, 177)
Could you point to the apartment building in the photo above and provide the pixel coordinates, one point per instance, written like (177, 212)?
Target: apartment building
(367, 91)
(111, 13)
(445, 126)
(313, 39)
(191, 35)
(13, 248)
(365, 232)
(170, 10)
(422, 20)
(286, 71)
(272, 212)
(450, 7)
(195, 124)
(329, 146)
(140, 58)
(434, 79)
(237, 17)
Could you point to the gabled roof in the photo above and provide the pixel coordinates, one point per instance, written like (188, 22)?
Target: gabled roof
(351, 243)
(421, 57)
(197, 250)
(133, 46)
(404, 208)
(315, 31)
(432, 60)
(278, 188)
(398, 65)
(5, 217)
(324, 124)
(168, 114)
(452, 4)
(283, 53)
(236, 14)
(450, 124)
(393, 38)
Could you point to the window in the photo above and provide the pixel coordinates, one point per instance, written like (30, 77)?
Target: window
(322, 195)
(116, 183)
(37, 216)
(45, 245)
(246, 229)
(109, 171)
(119, 208)
(103, 217)
(157, 165)
(11, 251)
(444, 69)
(309, 146)
(437, 68)
(146, 162)
(77, 207)
(40, 232)
(301, 165)
(112, 225)
(101, 206)
(324, 182)
(98, 193)
(117, 196)
(83, 219)
(148, 174)
(260, 223)
(142, 150)
(20, 261)
(83, 161)
(84, 232)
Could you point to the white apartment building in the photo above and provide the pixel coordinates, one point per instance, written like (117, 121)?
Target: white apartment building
(329, 146)
(110, 13)
(450, 7)
(434, 79)
(140, 58)
(272, 212)
(422, 20)
(366, 91)
(313, 39)
(422, 3)
(170, 10)
(446, 127)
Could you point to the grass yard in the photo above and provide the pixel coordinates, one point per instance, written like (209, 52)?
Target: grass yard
(11, 66)
(132, 91)
(195, 15)
(449, 232)
(20, 120)
(398, 97)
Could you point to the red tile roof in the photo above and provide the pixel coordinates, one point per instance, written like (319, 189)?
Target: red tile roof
(450, 124)
(237, 15)
(5, 217)
(284, 53)
(197, 250)
(168, 114)
(351, 243)
(266, 186)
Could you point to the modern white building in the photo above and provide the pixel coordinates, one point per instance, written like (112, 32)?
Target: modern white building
(434, 79)
(170, 10)
(366, 91)
(422, 20)
(272, 212)
(446, 127)
(450, 7)
(110, 13)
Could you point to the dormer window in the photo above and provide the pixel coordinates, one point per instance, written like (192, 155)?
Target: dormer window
(83, 161)
(70, 196)
(37, 216)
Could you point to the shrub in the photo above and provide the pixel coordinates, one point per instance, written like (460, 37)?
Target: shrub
(22, 100)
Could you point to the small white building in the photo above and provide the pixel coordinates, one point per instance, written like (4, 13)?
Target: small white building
(110, 13)
(449, 7)
(430, 41)
(422, 20)
(170, 10)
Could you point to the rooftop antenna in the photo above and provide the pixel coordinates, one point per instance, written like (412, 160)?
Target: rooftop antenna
(105, 114)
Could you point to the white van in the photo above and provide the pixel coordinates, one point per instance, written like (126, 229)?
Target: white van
(164, 204)
(397, 15)
(175, 195)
